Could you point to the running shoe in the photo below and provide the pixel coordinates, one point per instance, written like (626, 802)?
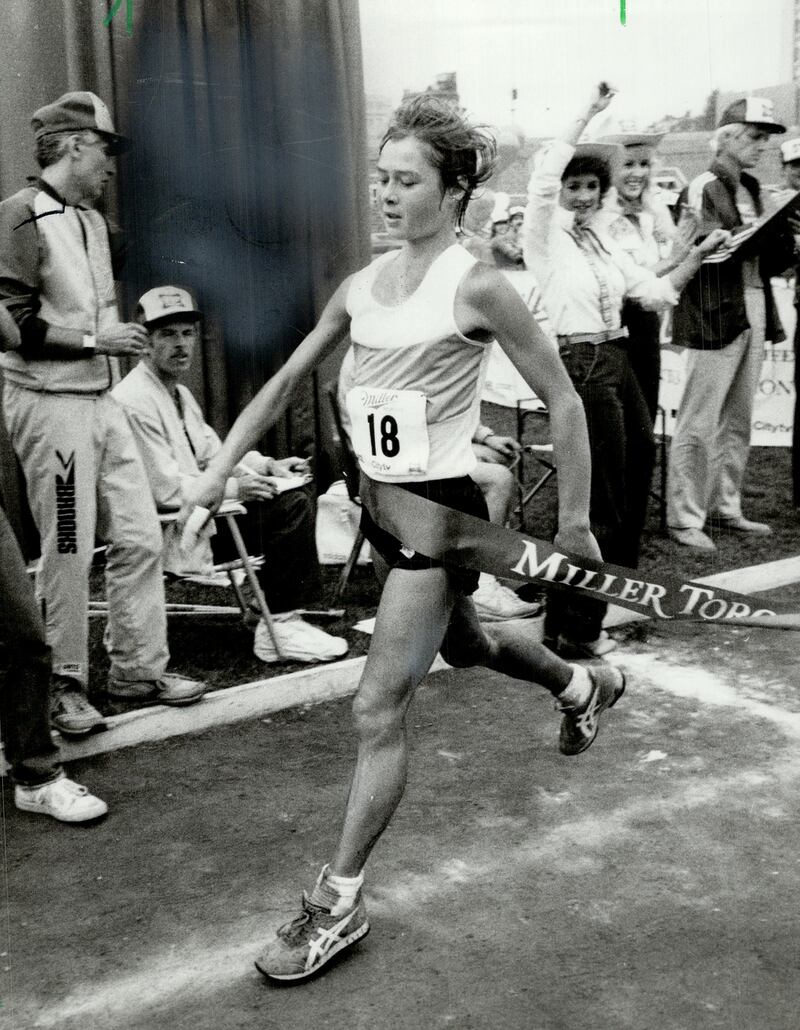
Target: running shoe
(169, 689)
(298, 640)
(579, 725)
(497, 603)
(62, 799)
(70, 711)
(306, 944)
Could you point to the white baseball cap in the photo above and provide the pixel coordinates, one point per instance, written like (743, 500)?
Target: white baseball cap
(790, 150)
(756, 111)
(164, 303)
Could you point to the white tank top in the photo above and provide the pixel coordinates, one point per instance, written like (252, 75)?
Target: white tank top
(414, 347)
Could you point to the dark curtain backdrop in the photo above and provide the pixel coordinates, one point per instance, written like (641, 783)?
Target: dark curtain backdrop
(247, 180)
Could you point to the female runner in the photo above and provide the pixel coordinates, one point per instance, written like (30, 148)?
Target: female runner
(420, 318)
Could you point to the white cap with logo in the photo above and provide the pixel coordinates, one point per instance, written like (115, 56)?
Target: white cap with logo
(167, 302)
(756, 111)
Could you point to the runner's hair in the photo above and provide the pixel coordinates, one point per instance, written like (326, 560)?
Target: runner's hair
(462, 153)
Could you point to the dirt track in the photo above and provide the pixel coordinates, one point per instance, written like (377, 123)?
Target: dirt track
(651, 883)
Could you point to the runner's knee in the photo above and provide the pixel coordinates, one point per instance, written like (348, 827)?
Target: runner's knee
(377, 719)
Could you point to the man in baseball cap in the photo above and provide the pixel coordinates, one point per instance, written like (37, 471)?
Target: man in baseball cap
(83, 472)
(78, 112)
(790, 155)
(177, 444)
(724, 317)
(167, 304)
(756, 111)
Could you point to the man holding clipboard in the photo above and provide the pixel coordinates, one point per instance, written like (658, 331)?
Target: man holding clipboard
(724, 316)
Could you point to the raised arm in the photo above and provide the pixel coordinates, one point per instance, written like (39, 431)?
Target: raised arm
(544, 185)
(269, 404)
(487, 301)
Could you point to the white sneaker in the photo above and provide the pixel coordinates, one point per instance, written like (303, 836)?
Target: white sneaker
(62, 799)
(298, 640)
(496, 603)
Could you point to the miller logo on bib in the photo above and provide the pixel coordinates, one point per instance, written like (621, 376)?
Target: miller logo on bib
(389, 431)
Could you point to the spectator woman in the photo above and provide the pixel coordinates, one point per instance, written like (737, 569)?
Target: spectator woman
(635, 218)
(584, 283)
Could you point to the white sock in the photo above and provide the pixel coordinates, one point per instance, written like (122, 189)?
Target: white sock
(576, 693)
(338, 893)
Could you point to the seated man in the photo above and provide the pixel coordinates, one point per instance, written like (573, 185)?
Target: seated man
(177, 443)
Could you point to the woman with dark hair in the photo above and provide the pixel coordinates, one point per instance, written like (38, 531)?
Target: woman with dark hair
(421, 318)
(584, 282)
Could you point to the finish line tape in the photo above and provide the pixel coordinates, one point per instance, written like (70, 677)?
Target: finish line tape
(468, 542)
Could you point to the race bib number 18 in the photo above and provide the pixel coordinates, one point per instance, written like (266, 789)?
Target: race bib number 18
(389, 431)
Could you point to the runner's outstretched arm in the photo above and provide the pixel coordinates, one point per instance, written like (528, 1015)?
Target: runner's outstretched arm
(268, 405)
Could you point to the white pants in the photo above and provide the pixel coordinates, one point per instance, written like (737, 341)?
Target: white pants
(709, 450)
(85, 479)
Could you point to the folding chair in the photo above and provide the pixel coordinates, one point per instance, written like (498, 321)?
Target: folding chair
(227, 511)
(351, 474)
(542, 453)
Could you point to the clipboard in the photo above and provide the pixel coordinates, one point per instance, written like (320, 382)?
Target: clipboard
(751, 240)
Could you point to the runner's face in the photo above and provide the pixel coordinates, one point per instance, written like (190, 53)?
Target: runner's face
(93, 167)
(413, 202)
(634, 174)
(172, 346)
(581, 195)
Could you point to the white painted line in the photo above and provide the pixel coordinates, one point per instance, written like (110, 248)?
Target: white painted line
(703, 685)
(221, 707)
(197, 970)
(748, 580)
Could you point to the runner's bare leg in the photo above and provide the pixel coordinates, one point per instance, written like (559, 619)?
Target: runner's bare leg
(507, 647)
(410, 624)
(417, 613)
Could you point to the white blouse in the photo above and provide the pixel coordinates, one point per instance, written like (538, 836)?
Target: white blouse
(646, 235)
(570, 263)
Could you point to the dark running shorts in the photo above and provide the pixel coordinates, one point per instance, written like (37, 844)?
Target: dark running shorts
(464, 495)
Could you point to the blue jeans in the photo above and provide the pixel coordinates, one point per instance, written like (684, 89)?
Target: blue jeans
(623, 453)
(25, 677)
(796, 424)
